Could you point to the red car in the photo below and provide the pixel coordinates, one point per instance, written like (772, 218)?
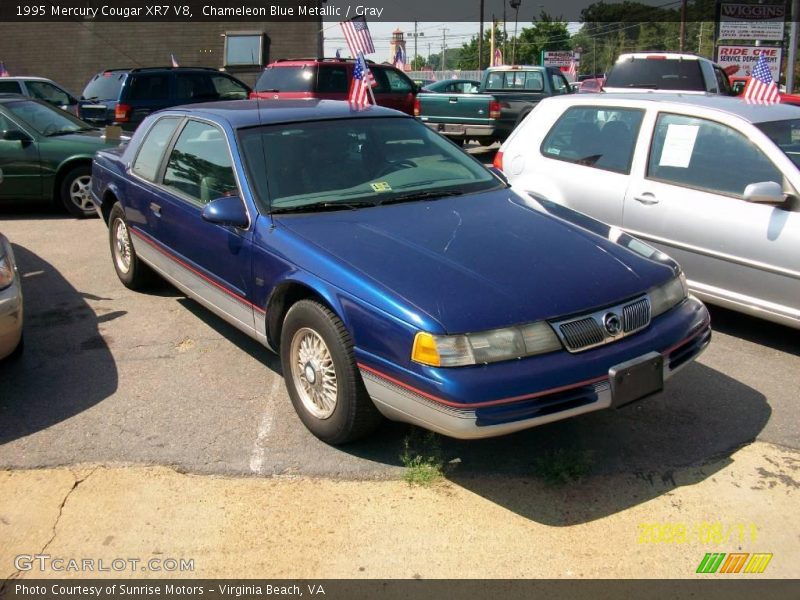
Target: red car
(329, 79)
(739, 83)
(592, 86)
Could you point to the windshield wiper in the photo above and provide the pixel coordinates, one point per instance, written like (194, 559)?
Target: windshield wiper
(322, 206)
(423, 195)
(66, 132)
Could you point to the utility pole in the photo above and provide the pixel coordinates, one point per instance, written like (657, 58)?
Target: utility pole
(491, 43)
(444, 44)
(682, 39)
(792, 58)
(415, 43)
(480, 40)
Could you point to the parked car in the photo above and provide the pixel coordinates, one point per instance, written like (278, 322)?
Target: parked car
(712, 181)
(506, 96)
(329, 79)
(591, 86)
(667, 71)
(453, 86)
(125, 97)
(11, 306)
(46, 154)
(40, 89)
(421, 83)
(393, 273)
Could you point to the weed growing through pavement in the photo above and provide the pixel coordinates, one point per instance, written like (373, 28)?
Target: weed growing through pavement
(422, 457)
(563, 465)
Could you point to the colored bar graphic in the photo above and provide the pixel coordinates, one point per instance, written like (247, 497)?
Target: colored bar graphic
(710, 562)
(734, 562)
(758, 563)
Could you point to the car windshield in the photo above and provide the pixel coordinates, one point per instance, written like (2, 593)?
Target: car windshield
(349, 163)
(786, 135)
(45, 119)
(656, 73)
(104, 86)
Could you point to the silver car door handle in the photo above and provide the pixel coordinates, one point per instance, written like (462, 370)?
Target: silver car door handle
(156, 209)
(646, 198)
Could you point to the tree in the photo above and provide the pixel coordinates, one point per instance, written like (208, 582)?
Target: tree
(468, 57)
(547, 33)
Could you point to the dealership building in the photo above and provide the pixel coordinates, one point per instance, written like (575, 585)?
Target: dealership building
(71, 52)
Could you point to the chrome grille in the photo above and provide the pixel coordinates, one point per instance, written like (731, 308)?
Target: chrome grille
(590, 330)
(635, 315)
(581, 333)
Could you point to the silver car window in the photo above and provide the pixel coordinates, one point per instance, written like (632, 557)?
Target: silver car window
(706, 155)
(152, 149)
(601, 137)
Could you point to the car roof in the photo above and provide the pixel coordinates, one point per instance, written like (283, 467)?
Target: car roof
(25, 78)
(734, 105)
(666, 55)
(248, 113)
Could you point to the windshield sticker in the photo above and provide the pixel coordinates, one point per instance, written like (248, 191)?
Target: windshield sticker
(381, 186)
(554, 151)
(678, 145)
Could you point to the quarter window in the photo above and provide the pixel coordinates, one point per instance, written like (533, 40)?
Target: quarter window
(200, 165)
(602, 137)
(10, 87)
(152, 149)
(703, 154)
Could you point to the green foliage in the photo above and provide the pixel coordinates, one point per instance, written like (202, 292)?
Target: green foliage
(422, 457)
(468, 58)
(547, 33)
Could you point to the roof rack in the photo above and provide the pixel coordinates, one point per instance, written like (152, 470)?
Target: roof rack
(321, 59)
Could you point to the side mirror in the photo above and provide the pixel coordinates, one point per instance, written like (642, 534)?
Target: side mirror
(769, 192)
(228, 210)
(14, 135)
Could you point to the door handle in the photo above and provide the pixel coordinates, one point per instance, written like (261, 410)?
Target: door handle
(646, 198)
(156, 209)
(453, 100)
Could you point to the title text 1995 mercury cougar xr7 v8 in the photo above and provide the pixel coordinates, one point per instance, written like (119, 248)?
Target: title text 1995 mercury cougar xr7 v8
(394, 274)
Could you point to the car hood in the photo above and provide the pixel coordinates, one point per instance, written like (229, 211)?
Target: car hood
(95, 138)
(480, 261)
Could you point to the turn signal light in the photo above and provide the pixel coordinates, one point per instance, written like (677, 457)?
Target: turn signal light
(417, 110)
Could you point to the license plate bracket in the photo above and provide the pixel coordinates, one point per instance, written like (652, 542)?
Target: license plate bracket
(636, 379)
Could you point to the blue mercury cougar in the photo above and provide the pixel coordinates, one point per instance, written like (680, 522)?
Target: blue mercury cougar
(394, 274)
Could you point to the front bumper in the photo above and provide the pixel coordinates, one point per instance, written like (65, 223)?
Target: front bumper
(679, 337)
(11, 317)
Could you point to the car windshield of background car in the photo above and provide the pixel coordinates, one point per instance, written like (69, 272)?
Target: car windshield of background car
(45, 119)
(786, 135)
(663, 74)
(105, 86)
(364, 162)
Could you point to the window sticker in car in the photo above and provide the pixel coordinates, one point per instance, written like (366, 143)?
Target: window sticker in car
(678, 145)
(381, 186)
(554, 151)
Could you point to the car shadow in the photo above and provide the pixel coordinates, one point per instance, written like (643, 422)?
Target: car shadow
(570, 471)
(66, 367)
(15, 210)
(753, 329)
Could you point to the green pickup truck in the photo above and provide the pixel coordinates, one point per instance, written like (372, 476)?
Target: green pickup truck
(506, 96)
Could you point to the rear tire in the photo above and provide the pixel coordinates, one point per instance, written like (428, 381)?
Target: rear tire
(322, 377)
(132, 272)
(76, 194)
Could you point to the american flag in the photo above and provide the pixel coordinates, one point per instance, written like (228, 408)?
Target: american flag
(761, 88)
(400, 58)
(357, 35)
(359, 86)
(498, 58)
(573, 70)
(3, 71)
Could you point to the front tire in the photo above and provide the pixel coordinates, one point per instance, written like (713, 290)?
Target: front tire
(76, 192)
(322, 377)
(132, 272)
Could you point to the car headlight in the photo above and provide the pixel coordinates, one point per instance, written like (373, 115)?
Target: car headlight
(6, 270)
(484, 347)
(664, 297)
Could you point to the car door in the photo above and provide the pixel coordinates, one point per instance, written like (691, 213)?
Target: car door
(394, 90)
(587, 155)
(689, 203)
(20, 165)
(213, 261)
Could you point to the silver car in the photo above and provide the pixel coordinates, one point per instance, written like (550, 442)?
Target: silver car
(710, 180)
(11, 312)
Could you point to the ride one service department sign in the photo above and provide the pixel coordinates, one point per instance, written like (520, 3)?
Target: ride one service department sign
(746, 57)
(751, 21)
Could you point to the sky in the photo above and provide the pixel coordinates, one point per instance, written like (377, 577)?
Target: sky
(457, 33)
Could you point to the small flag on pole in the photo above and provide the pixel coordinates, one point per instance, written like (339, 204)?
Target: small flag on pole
(174, 62)
(357, 35)
(498, 58)
(400, 58)
(3, 71)
(761, 88)
(573, 69)
(359, 86)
